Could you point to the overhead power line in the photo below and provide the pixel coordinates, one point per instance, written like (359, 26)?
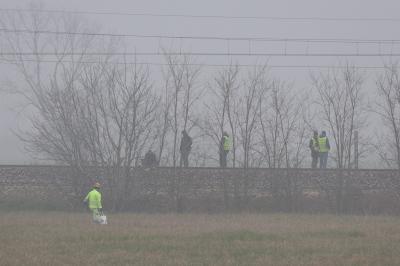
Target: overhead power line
(255, 39)
(8, 61)
(200, 54)
(194, 16)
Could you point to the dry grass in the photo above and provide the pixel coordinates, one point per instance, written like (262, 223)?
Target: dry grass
(194, 239)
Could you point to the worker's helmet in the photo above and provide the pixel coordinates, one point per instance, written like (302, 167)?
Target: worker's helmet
(96, 185)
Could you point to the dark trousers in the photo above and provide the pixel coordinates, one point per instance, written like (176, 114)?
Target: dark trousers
(314, 159)
(323, 159)
(184, 159)
(222, 158)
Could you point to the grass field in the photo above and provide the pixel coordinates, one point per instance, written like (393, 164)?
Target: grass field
(51, 238)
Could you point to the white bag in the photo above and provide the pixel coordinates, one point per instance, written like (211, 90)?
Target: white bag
(102, 219)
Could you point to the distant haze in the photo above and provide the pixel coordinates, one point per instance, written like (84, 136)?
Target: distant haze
(11, 118)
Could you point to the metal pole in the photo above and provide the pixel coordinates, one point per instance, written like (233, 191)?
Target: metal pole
(356, 149)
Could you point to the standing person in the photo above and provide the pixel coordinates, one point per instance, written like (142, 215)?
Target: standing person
(186, 146)
(314, 147)
(150, 160)
(93, 199)
(324, 148)
(224, 147)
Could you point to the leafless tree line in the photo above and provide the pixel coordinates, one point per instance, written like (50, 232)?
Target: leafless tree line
(106, 111)
(340, 99)
(85, 114)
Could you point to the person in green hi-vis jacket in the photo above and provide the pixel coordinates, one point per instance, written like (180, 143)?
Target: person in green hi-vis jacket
(224, 148)
(93, 199)
(324, 148)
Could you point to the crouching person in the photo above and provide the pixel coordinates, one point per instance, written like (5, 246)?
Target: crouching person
(93, 199)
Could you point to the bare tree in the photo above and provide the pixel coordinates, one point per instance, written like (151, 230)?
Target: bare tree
(246, 111)
(388, 109)
(340, 100)
(84, 113)
(220, 109)
(282, 129)
(163, 124)
(125, 107)
(49, 83)
(181, 77)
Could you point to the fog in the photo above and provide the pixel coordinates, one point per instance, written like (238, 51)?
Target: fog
(233, 19)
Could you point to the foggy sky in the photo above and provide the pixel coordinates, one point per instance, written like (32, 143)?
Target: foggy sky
(11, 149)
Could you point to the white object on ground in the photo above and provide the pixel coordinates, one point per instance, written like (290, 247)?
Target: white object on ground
(102, 219)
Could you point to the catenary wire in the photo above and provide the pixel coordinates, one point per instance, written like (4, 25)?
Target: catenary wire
(282, 54)
(254, 39)
(11, 61)
(193, 16)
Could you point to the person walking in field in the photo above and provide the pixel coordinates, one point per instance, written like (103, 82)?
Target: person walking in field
(314, 147)
(93, 199)
(224, 148)
(324, 148)
(185, 148)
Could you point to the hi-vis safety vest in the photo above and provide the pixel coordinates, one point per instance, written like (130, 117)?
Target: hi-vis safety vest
(322, 144)
(227, 143)
(94, 199)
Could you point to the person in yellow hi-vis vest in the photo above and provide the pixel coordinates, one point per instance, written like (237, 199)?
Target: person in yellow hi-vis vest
(224, 148)
(324, 148)
(93, 199)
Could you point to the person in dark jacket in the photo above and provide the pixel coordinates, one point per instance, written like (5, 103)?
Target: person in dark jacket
(185, 148)
(150, 159)
(314, 148)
